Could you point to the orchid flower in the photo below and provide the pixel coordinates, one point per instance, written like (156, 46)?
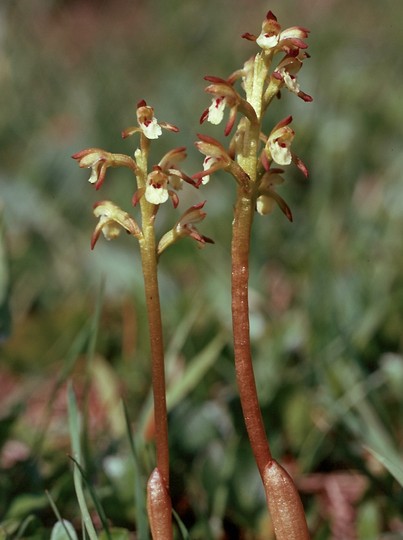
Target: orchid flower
(148, 124)
(99, 160)
(267, 196)
(272, 39)
(111, 220)
(185, 226)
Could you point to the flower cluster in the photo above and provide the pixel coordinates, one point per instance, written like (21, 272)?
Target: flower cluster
(156, 186)
(277, 145)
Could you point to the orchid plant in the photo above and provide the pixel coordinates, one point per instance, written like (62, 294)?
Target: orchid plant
(154, 187)
(252, 159)
(255, 161)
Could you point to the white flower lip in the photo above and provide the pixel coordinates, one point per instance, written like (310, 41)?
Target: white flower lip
(216, 111)
(151, 129)
(280, 152)
(156, 194)
(266, 41)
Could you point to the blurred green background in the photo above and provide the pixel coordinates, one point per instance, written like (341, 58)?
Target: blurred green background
(326, 290)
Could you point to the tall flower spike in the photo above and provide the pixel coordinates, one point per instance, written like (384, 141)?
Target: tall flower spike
(111, 219)
(148, 123)
(272, 39)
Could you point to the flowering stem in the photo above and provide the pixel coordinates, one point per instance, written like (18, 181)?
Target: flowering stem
(148, 251)
(149, 265)
(240, 248)
(241, 230)
(158, 499)
(282, 497)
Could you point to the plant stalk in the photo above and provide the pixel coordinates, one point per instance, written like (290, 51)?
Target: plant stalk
(149, 265)
(241, 232)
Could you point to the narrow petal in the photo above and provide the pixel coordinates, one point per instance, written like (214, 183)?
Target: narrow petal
(301, 165)
(130, 131)
(169, 127)
(248, 36)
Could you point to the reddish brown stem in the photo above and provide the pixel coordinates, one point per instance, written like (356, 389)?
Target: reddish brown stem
(149, 263)
(240, 320)
(282, 497)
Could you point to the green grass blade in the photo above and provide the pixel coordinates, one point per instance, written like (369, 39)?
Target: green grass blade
(391, 462)
(75, 429)
(95, 500)
(59, 518)
(5, 312)
(195, 370)
(76, 349)
(92, 341)
(23, 527)
(194, 373)
(182, 528)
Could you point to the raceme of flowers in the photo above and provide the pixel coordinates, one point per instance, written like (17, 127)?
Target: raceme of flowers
(155, 187)
(277, 146)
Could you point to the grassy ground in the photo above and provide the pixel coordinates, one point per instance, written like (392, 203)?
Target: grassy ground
(327, 290)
